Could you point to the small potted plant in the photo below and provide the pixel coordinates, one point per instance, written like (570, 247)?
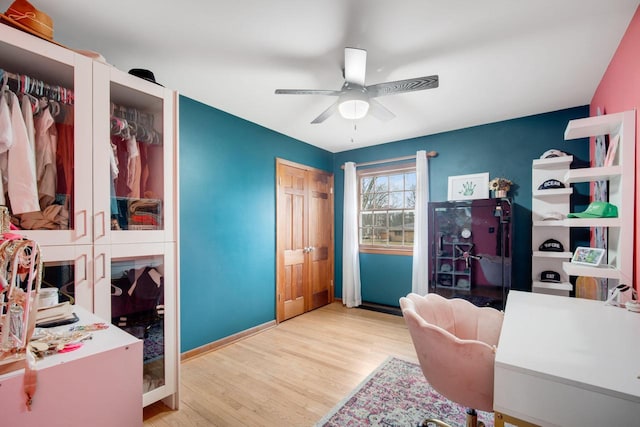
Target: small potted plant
(500, 186)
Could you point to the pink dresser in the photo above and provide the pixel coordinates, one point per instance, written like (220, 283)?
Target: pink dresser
(98, 385)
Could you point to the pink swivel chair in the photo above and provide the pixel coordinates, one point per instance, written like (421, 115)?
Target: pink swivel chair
(455, 342)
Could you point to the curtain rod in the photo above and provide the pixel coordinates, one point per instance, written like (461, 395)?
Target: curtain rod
(395, 159)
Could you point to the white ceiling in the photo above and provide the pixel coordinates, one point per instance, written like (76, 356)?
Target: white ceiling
(496, 59)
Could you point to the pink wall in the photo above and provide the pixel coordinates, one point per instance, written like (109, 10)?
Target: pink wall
(619, 90)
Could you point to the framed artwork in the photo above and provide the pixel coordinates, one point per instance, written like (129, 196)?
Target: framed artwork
(587, 256)
(468, 187)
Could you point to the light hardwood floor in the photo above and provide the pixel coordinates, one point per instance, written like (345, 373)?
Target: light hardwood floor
(289, 375)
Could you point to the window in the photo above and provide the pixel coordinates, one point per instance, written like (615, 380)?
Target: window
(386, 211)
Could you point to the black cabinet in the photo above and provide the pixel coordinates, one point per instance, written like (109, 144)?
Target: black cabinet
(470, 252)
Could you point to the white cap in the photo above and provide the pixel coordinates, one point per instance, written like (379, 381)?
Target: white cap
(553, 153)
(552, 215)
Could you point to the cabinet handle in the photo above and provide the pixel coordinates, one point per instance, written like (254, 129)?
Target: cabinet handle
(104, 267)
(100, 220)
(81, 223)
(81, 268)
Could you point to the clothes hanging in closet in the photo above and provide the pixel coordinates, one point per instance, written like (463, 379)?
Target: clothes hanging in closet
(17, 161)
(29, 154)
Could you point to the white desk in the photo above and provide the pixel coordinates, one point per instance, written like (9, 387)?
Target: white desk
(568, 362)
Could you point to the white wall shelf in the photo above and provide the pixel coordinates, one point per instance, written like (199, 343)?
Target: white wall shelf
(585, 270)
(621, 192)
(550, 286)
(543, 201)
(607, 124)
(553, 192)
(560, 255)
(562, 162)
(592, 174)
(621, 189)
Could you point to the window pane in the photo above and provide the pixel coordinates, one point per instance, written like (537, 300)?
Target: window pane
(410, 181)
(396, 183)
(409, 220)
(396, 237)
(380, 219)
(380, 236)
(366, 184)
(395, 220)
(408, 237)
(366, 219)
(395, 200)
(381, 184)
(366, 235)
(380, 200)
(367, 201)
(410, 199)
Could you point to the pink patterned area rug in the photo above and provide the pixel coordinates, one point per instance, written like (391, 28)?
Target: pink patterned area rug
(396, 394)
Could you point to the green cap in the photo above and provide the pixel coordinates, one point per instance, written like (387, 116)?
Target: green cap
(597, 210)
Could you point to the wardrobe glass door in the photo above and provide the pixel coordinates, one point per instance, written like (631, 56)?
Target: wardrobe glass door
(132, 162)
(138, 280)
(67, 268)
(46, 138)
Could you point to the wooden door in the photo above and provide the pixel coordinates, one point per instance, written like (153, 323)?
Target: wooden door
(304, 243)
(320, 248)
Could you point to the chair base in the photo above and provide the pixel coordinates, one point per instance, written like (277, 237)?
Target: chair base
(472, 421)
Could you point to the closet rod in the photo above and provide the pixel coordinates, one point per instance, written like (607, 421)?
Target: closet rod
(395, 159)
(65, 95)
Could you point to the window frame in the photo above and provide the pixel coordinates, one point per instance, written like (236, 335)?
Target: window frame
(374, 172)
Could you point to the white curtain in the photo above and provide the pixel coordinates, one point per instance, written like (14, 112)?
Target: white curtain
(351, 295)
(420, 276)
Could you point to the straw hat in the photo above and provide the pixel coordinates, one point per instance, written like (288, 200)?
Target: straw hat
(24, 16)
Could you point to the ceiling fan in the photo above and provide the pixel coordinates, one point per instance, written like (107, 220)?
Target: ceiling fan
(355, 99)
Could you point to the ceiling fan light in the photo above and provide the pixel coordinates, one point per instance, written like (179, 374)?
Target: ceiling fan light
(353, 105)
(353, 109)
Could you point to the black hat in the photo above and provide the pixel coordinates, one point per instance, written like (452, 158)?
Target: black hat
(144, 74)
(551, 184)
(551, 245)
(550, 276)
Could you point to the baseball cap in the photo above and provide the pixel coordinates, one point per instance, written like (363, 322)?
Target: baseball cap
(550, 276)
(551, 245)
(553, 153)
(597, 209)
(550, 184)
(552, 215)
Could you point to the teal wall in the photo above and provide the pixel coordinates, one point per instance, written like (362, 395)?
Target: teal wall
(503, 149)
(227, 220)
(228, 199)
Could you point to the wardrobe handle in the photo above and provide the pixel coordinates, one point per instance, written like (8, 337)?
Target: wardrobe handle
(81, 268)
(103, 259)
(81, 223)
(101, 232)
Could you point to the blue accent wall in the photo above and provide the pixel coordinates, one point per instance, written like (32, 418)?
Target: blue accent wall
(503, 149)
(228, 205)
(227, 220)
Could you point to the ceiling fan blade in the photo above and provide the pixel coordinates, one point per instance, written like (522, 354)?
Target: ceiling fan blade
(355, 65)
(379, 111)
(307, 92)
(326, 114)
(402, 86)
